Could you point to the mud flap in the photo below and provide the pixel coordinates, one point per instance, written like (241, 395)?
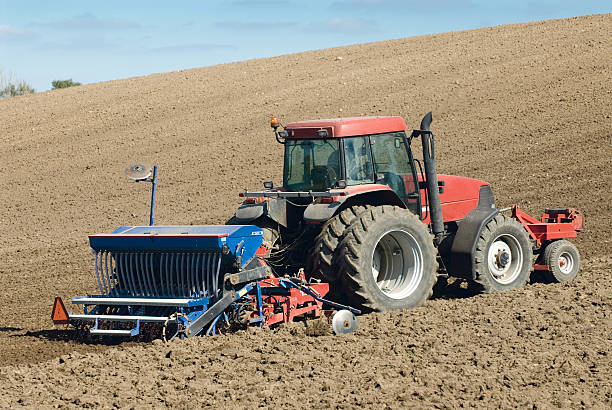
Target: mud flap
(464, 243)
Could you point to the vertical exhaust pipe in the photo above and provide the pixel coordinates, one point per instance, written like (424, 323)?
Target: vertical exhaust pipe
(431, 174)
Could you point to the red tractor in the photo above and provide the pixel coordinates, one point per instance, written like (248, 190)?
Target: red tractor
(359, 211)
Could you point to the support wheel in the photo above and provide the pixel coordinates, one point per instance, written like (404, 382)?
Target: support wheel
(503, 257)
(563, 261)
(323, 261)
(387, 260)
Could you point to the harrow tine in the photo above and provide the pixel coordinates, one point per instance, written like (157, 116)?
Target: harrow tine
(146, 272)
(175, 286)
(197, 274)
(121, 280)
(97, 264)
(142, 286)
(104, 274)
(125, 269)
(163, 274)
(207, 273)
(191, 275)
(151, 270)
(134, 272)
(113, 283)
(205, 270)
(170, 273)
(183, 274)
(169, 262)
(204, 274)
(129, 261)
(177, 274)
(218, 260)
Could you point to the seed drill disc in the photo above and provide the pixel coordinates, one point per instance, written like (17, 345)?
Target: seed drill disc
(344, 322)
(138, 172)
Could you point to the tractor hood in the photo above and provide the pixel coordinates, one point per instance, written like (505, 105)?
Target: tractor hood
(458, 196)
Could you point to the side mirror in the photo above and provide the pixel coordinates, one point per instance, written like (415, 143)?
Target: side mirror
(268, 184)
(341, 183)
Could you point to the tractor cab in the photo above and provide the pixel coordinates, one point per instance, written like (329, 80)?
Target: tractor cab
(338, 153)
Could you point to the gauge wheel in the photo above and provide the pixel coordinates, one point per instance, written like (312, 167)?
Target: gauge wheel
(563, 261)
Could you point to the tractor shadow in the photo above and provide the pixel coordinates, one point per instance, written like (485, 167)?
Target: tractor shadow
(453, 288)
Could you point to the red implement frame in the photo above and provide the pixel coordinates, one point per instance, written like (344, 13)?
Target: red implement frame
(556, 223)
(283, 305)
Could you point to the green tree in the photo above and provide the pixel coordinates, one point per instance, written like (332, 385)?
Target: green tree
(9, 87)
(64, 83)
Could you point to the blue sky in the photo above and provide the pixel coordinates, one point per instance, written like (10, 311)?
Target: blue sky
(92, 41)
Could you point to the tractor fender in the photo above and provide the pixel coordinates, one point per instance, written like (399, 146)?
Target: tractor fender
(469, 229)
(371, 195)
(273, 208)
(249, 212)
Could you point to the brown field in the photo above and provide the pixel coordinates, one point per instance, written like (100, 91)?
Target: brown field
(525, 107)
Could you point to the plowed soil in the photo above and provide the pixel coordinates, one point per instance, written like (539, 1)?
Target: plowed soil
(525, 107)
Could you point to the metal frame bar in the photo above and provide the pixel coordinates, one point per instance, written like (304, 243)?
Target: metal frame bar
(138, 301)
(122, 318)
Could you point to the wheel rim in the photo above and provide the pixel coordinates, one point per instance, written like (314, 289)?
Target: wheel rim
(397, 264)
(505, 259)
(565, 263)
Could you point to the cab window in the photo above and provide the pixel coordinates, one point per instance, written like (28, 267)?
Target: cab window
(357, 161)
(311, 165)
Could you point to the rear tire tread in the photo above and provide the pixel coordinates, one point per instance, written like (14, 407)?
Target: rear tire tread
(352, 277)
(323, 260)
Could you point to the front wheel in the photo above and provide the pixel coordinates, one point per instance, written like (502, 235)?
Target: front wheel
(387, 260)
(503, 257)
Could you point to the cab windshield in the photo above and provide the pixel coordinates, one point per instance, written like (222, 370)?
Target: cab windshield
(311, 165)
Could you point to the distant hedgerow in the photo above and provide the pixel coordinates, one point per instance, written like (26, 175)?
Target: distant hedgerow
(64, 83)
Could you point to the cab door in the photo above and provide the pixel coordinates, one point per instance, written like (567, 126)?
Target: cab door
(394, 166)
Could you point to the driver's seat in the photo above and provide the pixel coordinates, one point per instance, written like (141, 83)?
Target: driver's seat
(322, 177)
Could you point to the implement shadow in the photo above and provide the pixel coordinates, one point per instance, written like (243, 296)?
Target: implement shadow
(10, 329)
(69, 335)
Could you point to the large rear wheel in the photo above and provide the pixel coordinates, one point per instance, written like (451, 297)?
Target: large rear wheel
(387, 260)
(323, 261)
(503, 257)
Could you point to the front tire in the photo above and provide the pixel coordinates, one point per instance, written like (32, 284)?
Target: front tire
(503, 257)
(563, 261)
(387, 260)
